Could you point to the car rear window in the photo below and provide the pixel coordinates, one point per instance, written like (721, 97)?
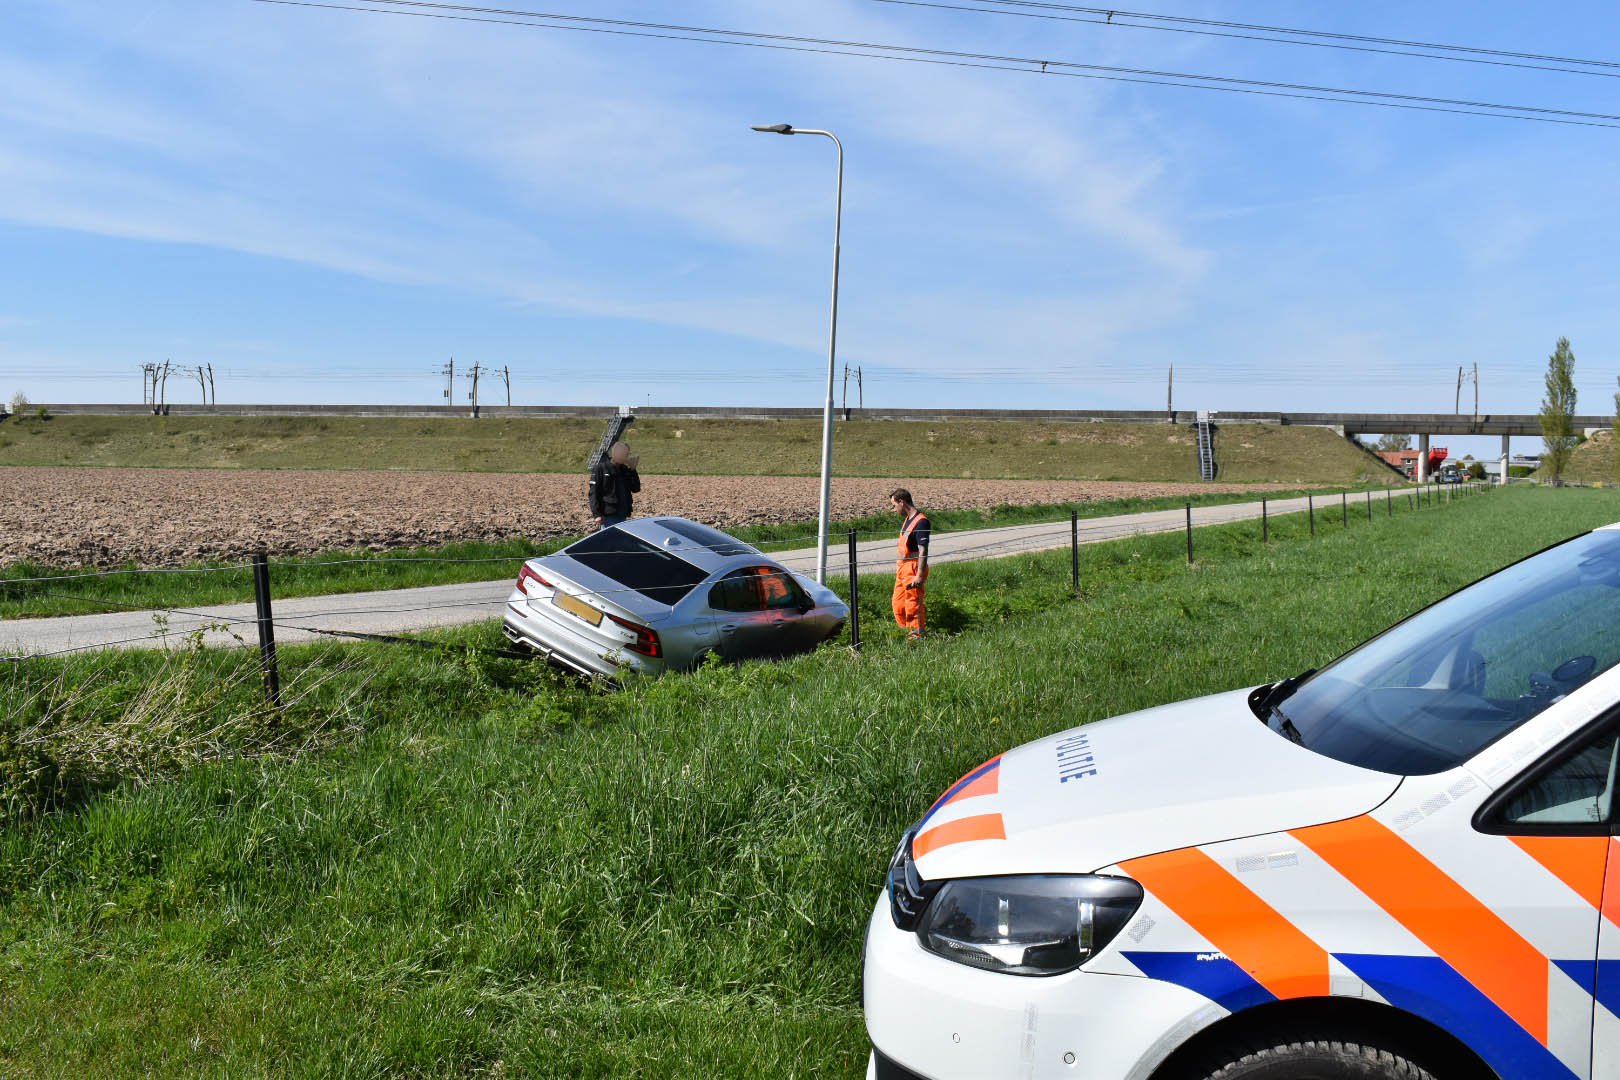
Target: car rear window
(637, 565)
(712, 539)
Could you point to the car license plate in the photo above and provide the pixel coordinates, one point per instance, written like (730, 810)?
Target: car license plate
(575, 606)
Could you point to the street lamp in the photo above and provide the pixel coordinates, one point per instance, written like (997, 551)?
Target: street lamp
(832, 346)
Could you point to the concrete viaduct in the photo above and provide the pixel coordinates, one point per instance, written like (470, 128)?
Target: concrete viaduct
(1423, 425)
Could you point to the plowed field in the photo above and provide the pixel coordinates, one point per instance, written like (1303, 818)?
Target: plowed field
(169, 517)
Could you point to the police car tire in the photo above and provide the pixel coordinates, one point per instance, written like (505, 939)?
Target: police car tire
(1316, 1059)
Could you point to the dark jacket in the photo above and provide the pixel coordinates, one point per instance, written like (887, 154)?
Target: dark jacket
(611, 488)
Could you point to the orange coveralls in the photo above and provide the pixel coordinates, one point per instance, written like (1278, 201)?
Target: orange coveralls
(908, 600)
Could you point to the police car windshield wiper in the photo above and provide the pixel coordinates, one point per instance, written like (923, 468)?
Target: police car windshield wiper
(1285, 727)
(1267, 702)
(1264, 701)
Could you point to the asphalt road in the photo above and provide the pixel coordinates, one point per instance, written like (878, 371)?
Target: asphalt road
(403, 610)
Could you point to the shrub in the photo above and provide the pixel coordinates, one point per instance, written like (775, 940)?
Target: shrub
(19, 404)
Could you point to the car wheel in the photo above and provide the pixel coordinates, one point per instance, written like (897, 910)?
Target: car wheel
(1310, 1059)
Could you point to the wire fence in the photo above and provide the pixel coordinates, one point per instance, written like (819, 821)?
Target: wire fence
(243, 629)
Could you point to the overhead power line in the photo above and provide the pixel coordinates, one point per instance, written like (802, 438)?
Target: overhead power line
(1105, 17)
(955, 58)
(1391, 372)
(1301, 33)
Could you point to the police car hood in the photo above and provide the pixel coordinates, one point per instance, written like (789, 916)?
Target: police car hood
(1195, 772)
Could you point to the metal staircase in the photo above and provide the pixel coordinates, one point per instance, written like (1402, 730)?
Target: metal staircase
(1206, 446)
(615, 431)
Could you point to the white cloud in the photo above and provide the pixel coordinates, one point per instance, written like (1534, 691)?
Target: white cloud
(511, 145)
(988, 215)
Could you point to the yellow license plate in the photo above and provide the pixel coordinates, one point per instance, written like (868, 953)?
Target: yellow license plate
(578, 607)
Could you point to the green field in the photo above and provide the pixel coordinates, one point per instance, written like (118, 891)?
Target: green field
(444, 865)
(30, 590)
(978, 449)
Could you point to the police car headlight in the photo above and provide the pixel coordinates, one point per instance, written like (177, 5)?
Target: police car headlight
(1028, 925)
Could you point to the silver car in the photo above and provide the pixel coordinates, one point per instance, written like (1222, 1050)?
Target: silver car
(659, 594)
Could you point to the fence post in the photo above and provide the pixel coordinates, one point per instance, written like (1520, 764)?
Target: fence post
(1310, 512)
(1189, 535)
(1074, 548)
(854, 594)
(267, 629)
(1265, 522)
(1389, 503)
(1369, 506)
(1344, 508)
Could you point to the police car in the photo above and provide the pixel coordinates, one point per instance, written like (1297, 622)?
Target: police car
(1400, 866)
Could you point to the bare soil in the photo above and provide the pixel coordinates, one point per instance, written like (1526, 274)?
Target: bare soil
(170, 517)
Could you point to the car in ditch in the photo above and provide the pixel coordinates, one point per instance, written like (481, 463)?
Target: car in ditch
(1403, 866)
(659, 594)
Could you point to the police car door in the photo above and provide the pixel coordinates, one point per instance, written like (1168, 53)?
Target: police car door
(1606, 973)
(1561, 812)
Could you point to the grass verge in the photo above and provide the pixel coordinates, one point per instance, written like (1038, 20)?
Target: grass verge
(494, 875)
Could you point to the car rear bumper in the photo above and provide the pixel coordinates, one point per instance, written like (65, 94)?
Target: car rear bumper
(932, 1019)
(570, 651)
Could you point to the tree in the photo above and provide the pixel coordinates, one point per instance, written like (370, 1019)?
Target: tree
(1558, 411)
(1389, 444)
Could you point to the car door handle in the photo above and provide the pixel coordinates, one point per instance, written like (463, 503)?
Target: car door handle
(728, 628)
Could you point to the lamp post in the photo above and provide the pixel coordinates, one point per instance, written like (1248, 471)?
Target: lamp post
(832, 346)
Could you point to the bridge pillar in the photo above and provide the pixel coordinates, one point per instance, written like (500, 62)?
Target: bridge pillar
(1503, 479)
(1423, 459)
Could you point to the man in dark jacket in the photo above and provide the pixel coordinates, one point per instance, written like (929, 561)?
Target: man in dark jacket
(613, 482)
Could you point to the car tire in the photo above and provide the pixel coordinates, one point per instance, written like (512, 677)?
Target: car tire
(1310, 1059)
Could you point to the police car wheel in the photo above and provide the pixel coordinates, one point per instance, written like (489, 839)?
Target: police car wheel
(1314, 1059)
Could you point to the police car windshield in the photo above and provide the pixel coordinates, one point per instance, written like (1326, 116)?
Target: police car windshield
(1428, 694)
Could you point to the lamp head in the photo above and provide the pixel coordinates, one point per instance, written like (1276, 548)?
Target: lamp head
(775, 129)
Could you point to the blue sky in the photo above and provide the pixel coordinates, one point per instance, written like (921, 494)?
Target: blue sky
(327, 206)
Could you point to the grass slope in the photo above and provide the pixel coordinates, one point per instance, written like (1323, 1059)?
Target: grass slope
(486, 875)
(1592, 462)
(979, 449)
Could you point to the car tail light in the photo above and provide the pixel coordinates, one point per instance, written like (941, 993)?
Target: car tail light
(646, 642)
(529, 573)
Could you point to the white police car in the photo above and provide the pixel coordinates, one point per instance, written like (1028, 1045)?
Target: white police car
(1401, 866)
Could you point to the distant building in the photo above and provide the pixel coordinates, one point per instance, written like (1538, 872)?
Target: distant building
(1528, 462)
(1407, 460)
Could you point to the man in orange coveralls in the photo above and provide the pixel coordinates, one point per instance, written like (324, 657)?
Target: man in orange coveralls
(911, 571)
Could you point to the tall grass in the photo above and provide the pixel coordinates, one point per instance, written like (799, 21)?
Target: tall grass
(73, 730)
(495, 875)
